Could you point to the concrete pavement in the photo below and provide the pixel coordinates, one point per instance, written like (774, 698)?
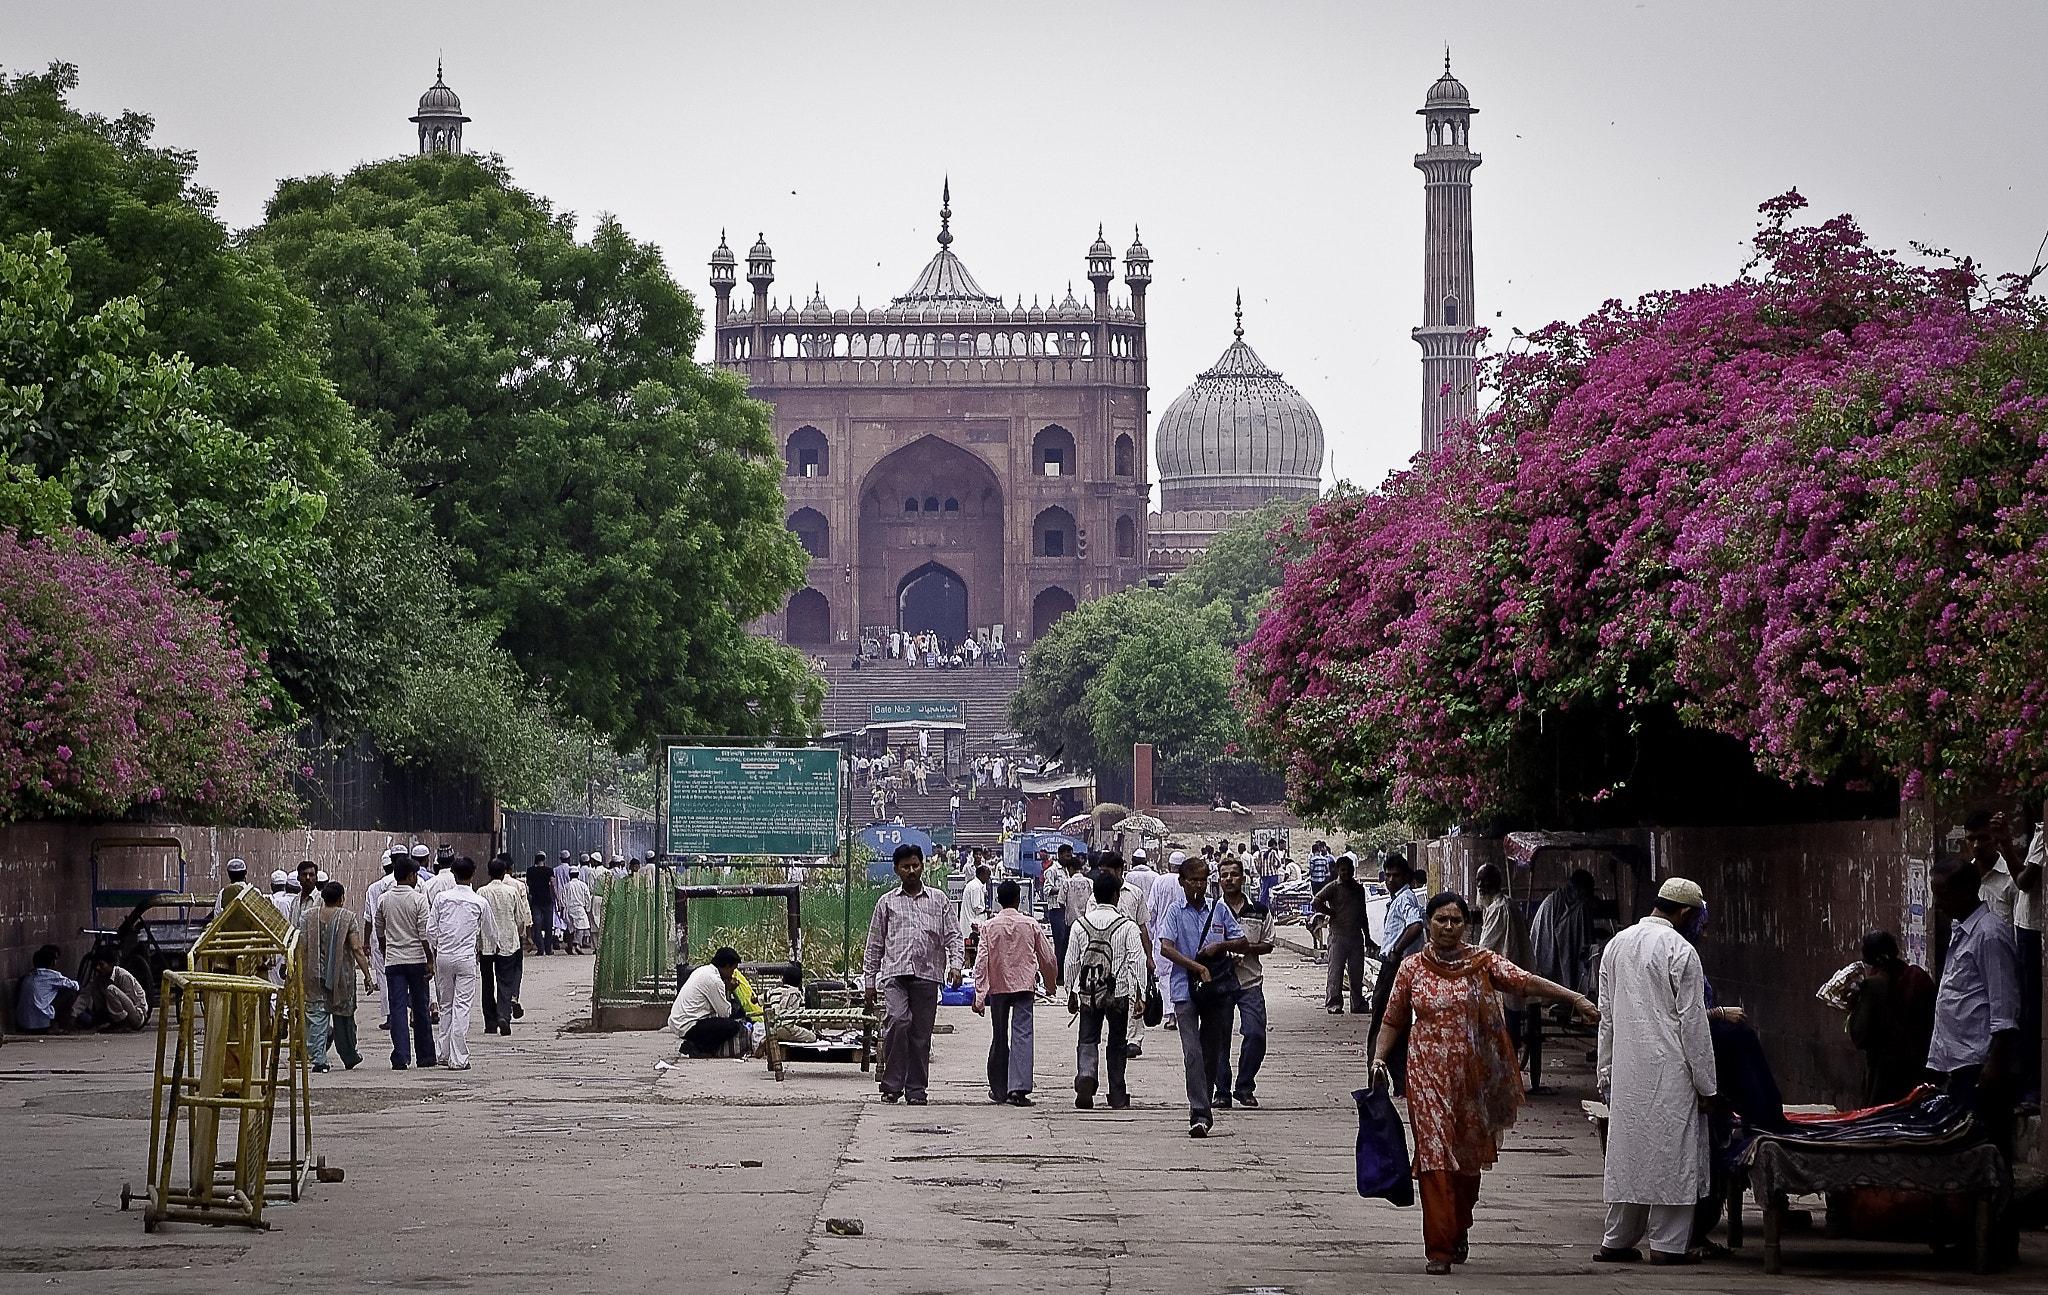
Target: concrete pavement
(568, 1162)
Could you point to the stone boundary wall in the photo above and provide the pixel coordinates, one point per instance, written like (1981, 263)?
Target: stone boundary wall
(1787, 904)
(46, 875)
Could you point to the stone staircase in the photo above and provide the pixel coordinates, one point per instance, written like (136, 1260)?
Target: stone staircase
(983, 691)
(984, 694)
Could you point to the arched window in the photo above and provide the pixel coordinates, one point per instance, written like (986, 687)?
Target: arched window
(813, 532)
(1126, 455)
(808, 453)
(1052, 452)
(910, 505)
(1049, 606)
(931, 503)
(952, 505)
(1450, 310)
(809, 619)
(1126, 538)
(1053, 534)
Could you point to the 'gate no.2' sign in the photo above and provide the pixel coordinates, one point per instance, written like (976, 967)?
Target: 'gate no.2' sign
(746, 800)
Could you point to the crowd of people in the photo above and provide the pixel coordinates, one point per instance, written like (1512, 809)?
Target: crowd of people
(929, 650)
(1457, 1005)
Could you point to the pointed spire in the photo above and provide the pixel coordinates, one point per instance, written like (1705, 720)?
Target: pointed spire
(946, 213)
(437, 69)
(1447, 58)
(1239, 333)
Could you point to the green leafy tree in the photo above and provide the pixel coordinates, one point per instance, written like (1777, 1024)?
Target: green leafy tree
(1235, 577)
(615, 508)
(1167, 683)
(86, 404)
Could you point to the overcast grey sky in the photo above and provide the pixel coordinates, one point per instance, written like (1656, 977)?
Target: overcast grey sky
(1264, 145)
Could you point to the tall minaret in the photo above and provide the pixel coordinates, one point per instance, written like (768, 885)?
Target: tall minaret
(1449, 368)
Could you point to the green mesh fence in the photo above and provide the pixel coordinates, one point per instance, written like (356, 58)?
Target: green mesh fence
(636, 942)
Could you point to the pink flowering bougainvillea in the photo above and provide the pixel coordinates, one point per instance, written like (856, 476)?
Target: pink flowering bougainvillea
(1807, 510)
(120, 690)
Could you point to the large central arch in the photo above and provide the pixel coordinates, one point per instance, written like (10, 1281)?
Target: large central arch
(933, 597)
(931, 504)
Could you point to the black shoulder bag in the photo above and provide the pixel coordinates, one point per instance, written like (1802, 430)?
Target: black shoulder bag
(1221, 986)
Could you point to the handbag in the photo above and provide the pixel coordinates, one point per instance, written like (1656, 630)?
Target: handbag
(1155, 1006)
(1221, 986)
(1383, 1166)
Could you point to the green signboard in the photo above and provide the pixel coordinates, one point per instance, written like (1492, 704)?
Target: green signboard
(751, 800)
(883, 713)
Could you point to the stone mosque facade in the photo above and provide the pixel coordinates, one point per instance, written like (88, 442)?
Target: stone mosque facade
(952, 462)
(959, 464)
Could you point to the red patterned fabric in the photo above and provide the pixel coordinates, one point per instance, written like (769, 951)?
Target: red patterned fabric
(1464, 1087)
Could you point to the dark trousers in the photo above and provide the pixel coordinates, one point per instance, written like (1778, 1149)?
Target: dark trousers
(1088, 1053)
(2030, 1015)
(707, 1037)
(405, 989)
(1397, 1056)
(502, 973)
(1204, 1038)
(1251, 1025)
(1011, 1046)
(543, 928)
(1058, 917)
(912, 1005)
(1347, 957)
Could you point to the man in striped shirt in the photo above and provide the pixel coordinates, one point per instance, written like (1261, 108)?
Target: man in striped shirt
(913, 939)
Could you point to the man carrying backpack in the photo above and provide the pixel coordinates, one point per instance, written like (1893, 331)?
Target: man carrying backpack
(1105, 975)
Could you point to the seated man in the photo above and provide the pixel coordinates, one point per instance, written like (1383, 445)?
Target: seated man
(705, 1014)
(123, 1005)
(47, 995)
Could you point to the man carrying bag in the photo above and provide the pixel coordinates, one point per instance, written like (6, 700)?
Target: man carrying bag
(1197, 937)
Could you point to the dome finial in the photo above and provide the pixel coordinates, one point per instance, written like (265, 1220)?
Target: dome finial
(1239, 334)
(946, 213)
(1447, 58)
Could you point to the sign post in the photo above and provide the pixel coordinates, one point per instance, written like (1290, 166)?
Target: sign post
(884, 714)
(752, 800)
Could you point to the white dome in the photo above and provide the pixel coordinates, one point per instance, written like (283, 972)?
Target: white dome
(1237, 437)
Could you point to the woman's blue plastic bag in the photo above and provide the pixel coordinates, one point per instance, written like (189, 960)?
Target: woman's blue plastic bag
(1382, 1148)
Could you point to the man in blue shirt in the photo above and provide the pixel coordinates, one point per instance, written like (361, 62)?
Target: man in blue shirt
(1194, 936)
(47, 995)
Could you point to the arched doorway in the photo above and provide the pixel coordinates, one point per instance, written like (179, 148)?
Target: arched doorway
(933, 597)
(1049, 606)
(931, 505)
(808, 623)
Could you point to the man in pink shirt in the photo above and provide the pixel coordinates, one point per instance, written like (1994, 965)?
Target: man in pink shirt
(1015, 954)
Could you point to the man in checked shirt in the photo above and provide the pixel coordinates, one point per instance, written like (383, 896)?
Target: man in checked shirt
(913, 939)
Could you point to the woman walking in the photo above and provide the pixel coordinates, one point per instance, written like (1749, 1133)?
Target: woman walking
(1464, 1086)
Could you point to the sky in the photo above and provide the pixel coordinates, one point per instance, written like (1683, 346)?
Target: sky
(1266, 147)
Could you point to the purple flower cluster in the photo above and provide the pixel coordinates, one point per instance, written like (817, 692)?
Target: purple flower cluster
(1808, 509)
(119, 689)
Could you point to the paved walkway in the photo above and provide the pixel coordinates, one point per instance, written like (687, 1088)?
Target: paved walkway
(568, 1162)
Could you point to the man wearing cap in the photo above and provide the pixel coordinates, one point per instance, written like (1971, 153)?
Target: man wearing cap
(372, 894)
(281, 895)
(1657, 1069)
(238, 881)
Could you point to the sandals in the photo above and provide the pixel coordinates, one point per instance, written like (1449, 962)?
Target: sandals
(1438, 1268)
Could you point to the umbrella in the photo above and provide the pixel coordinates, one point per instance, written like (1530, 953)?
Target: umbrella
(1144, 823)
(1079, 822)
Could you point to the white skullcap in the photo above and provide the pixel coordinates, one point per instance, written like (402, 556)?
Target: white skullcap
(419, 852)
(1177, 858)
(238, 865)
(280, 877)
(1677, 890)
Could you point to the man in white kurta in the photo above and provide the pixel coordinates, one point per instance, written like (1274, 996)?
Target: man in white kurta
(1656, 1064)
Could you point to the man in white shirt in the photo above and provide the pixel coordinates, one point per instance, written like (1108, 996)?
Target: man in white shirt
(575, 904)
(2030, 908)
(504, 949)
(1106, 964)
(703, 1013)
(458, 924)
(974, 902)
(402, 942)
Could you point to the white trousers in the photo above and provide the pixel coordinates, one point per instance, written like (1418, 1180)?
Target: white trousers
(1669, 1226)
(455, 986)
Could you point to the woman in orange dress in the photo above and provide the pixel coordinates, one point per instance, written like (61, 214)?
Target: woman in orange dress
(1464, 1086)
